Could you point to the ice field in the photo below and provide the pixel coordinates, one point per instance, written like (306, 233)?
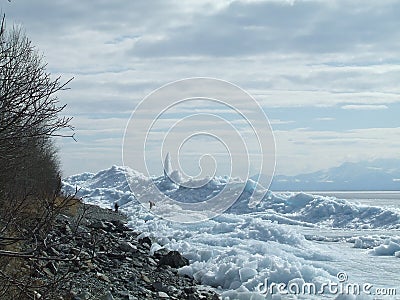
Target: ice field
(290, 246)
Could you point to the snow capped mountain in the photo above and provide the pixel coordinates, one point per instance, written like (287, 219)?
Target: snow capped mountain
(290, 238)
(378, 175)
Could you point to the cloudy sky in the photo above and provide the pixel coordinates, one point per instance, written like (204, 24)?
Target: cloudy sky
(326, 73)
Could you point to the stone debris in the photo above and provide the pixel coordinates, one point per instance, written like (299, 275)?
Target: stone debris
(112, 263)
(173, 259)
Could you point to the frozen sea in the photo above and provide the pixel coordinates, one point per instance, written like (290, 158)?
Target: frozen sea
(318, 245)
(379, 269)
(386, 199)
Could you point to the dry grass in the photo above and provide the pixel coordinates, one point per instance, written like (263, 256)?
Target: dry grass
(67, 205)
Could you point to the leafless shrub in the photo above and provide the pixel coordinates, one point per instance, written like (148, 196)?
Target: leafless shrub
(30, 180)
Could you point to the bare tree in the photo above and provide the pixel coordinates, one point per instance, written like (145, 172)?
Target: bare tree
(28, 103)
(30, 179)
(29, 107)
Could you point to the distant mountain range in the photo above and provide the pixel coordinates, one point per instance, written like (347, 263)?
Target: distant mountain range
(377, 175)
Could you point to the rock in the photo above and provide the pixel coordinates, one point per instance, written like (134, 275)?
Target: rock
(119, 226)
(145, 241)
(163, 295)
(66, 229)
(52, 267)
(125, 295)
(116, 255)
(137, 263)
(127, 247)
(98, 225)
(214, 296)
(145, 278)
(161, 252)
(48, 272)
(173, 259)
(158, 286)
(189, 290)
(37, 295)
(102, 277)
(107, 296)
(75, 250)
(110, 227)
(84, 295)
(90, 265)
(151, 261)
(54, 251)
(171, 290)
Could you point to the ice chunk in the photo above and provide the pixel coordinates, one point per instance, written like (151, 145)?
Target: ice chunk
(358, 243)
(246, 273)
(387, 249)
(222, 228)
(186, 270)
(205, 255)
(176, 176)
(154, 247)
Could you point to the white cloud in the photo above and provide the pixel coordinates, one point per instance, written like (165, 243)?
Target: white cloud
(280, 122)
(287, 54)
(299, 98)
(325, 119)
(364, 107)
(302, 151)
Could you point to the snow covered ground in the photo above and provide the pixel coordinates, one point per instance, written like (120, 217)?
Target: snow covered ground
(305, 246)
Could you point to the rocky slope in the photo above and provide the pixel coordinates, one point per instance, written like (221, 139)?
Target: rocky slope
(111, 261)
